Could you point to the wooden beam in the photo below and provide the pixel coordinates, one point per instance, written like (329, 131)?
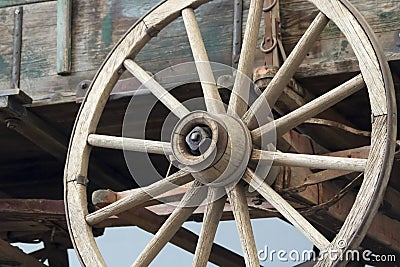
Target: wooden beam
(41, 133)
(17, 255)
(377, 236)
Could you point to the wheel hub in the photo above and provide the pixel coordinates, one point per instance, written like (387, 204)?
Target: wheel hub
(214, 148)
(199, 140)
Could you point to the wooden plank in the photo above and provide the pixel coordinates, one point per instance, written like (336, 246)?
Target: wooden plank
(332, 53)
(10, 3)
(64, 20)
(104, 24)
(96, 28)
(32, 206)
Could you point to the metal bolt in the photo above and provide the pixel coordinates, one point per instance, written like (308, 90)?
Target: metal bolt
(257, 201)
(195, 137)
(197, 140)
(84, 86)
(11, 124)
(121, 70)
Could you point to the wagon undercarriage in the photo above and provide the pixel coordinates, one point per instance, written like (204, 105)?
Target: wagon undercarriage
(328, 141)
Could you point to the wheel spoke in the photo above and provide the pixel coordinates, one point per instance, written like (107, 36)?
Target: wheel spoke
(310, 161)
(241, 88)
(130, 144)
(291, 214)
(309, 110)
(138, 196)
(212, 216)
(210, 90)
(183, 238)
(156, 89)
(174, 222)
(240, 211)
(289, 67)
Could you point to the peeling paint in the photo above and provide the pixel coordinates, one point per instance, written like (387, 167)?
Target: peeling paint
(386, 15)
(133, 10)
(107, 29)
(4, 68)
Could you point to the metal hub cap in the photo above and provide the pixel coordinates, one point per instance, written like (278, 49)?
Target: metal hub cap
(214, 148)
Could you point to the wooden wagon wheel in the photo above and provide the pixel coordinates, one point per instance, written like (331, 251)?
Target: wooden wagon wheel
(374, 75)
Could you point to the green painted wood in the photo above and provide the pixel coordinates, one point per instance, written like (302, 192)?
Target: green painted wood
(98, 25)
(333, 54)
(64, 35)
(9, 3)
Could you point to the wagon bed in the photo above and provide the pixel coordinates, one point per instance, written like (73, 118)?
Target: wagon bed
(38, 117)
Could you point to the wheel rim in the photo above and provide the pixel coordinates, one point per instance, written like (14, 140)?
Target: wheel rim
(382, 143)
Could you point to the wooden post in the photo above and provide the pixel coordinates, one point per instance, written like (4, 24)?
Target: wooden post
(64, 14)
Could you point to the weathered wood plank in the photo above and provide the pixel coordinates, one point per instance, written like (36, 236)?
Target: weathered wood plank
(333, 50)
(9, 3)
(97, 26)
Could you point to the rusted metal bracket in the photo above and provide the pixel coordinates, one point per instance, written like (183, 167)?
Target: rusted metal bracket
(16, 62)
(272, 32)
(271, 45)
(64, 19)
(237, 31)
